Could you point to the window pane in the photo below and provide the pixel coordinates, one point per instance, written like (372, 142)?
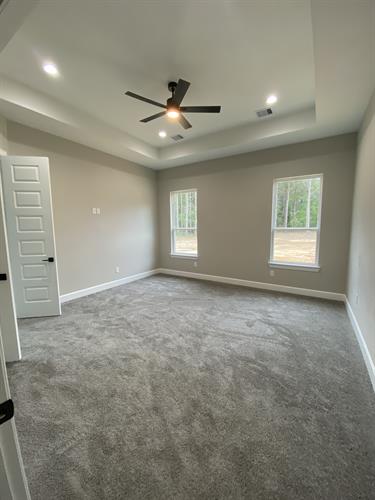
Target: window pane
(295, 245)
(296, 200)
(314, 202)
(296, 218)
(282, 190)
(184, 222)
(297, 203)
(186, 241)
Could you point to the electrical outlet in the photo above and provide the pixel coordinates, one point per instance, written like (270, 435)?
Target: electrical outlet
(272, 272)
(195, 264)
(117, 269)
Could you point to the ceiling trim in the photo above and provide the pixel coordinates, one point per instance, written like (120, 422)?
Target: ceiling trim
(246, 136)
(30, 107)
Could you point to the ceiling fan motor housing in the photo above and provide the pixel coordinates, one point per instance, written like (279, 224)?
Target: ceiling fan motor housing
(171, 103)
(172, 86)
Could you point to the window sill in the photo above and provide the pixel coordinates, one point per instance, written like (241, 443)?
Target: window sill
(294, 267)
(184, 256)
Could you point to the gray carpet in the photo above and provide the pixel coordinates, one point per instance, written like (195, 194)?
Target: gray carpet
(169, 388)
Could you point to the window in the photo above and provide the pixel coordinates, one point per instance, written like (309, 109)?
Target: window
(296, 221)
(184, 223)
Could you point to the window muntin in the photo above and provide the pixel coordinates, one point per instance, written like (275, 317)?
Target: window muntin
(183, 206)
(296, 220)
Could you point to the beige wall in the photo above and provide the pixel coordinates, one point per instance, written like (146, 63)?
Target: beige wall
(361, 276)
(234, 212)
(89, 247)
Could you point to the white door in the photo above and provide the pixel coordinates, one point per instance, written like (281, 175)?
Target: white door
(13, 483)
(31, 240)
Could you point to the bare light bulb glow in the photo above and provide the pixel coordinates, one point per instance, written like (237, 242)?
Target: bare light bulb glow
(173, 113)
(50, 69)
(162, 134)
(271, 99)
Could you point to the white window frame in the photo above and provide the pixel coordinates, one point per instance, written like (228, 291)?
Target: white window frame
(173, 253)
(295, 265)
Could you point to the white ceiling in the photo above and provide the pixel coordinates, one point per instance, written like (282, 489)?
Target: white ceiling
(318, 58)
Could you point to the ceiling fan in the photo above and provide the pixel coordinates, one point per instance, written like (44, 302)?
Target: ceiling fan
(173, 108)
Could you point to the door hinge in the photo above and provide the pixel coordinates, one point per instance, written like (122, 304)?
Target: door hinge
(3, 276)
(6, 411)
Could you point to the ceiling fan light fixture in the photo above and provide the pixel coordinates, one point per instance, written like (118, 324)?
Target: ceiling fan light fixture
(173, 113)
(173, 109)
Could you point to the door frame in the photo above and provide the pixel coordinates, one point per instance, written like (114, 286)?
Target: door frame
(13, 482)
(8, 321)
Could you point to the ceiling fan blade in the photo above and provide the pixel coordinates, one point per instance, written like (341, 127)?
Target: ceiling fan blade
(181, 89)
(145, 99)
(201, 109)
(183, 121)
(153, 117)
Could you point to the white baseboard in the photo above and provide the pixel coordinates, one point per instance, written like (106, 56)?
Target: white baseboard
(362, 343)
(207, 277)
(67, 297)
(256, 284)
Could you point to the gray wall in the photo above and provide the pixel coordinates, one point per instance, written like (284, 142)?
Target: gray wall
(234, 212)
(89, 247)
(361, 276)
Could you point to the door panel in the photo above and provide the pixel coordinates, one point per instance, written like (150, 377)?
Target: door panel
(28, 210)
(27, 223)
(31, 271)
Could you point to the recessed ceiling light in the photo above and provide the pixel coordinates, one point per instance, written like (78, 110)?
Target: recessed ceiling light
(271, 99)
(50, 69)
(173, 113)
(162, 134)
